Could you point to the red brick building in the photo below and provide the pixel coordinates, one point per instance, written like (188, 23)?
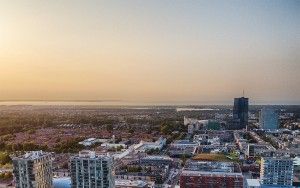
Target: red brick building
(211, 175)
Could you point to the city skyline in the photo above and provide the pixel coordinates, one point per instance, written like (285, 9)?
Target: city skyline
(173, 52)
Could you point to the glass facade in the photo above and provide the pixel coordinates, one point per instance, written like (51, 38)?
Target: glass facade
(91, 172)
(240, 112)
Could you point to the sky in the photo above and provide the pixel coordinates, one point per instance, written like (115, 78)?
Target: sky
(154, 51)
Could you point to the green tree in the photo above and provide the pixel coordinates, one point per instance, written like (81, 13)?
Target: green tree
(109, 127)
(183, 159)
(4, 158)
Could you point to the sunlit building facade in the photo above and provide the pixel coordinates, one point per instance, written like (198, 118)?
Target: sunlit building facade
(33, 170)
(276, 172)
(89, 170)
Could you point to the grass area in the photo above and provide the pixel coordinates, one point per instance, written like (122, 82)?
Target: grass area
(215, 157)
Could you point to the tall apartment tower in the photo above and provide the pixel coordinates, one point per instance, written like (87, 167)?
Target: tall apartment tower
(276, 172)
(90, 170)
(268, 118)
(240, 113)
(33, 170)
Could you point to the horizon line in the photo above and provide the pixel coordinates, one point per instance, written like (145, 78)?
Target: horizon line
(145, 103)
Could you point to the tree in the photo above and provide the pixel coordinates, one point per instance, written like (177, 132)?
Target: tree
(109, 127)
(131, 130)
(166, 129)
(8, 175)
(183, 159)
(4, 158)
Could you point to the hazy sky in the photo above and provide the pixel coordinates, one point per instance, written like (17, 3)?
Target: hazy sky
(150, 51)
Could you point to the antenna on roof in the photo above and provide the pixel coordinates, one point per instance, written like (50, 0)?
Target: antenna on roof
(243, 93)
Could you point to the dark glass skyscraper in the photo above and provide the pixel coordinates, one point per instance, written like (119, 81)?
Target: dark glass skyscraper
(240, 113)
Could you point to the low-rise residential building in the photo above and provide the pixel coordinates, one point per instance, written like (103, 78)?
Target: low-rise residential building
(184, 144)
(183, 148)
(92, 141)
(211, 174)
(157, 145)
(122, 183)
(112, 146)
(157, 160)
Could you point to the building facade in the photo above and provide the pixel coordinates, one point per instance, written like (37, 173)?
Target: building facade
(240, 113)
(276, 172)
(146, 146)
(194, 124)
(121, 183)
(211, 174)
(268, 119)
(89, 170)
(33, 170)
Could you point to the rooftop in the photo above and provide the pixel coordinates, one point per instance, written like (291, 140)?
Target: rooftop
(253, 182)
(32, 155)
(130, 183)
(157, 157)
(211, 167)
(275, 158)
(184, 142)
(90, 155)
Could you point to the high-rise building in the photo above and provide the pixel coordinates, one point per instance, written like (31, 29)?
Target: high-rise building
(33, 170)
(211, 174)
(276, 171)
(268, 119)
(91, 170)
(240, 113)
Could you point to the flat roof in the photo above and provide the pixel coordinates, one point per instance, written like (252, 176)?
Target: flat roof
(201, 173)
(183, 142)
(275, 158)
(130, 183)
(157, 157)
(211, 167)
(87, 154)
(32, 155)
(253, 182)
